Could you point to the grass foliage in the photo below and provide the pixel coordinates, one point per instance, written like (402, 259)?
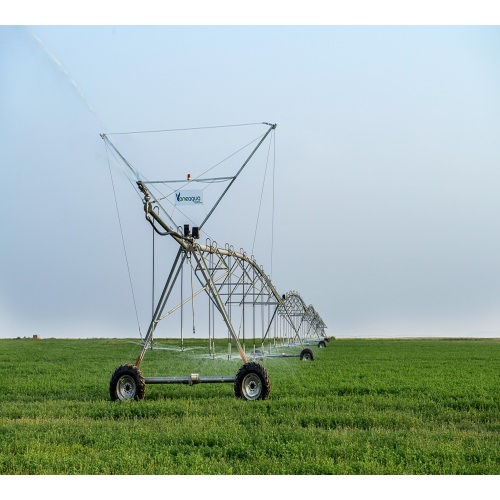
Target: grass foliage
(362, 407)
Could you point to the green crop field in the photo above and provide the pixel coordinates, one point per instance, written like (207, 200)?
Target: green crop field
(361, 407)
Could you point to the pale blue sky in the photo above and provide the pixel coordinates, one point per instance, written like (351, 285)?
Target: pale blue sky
(387, 169)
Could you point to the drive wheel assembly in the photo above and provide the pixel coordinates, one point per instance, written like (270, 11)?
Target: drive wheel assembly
(127, 383)
(252, 382)
(321, 344)
(306, 355)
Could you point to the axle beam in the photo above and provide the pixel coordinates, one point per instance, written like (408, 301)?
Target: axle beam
(192, 379)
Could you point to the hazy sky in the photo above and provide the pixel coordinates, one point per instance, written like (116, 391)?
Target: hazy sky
(387, 169)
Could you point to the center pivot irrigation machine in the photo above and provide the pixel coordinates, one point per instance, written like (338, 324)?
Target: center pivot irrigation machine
(237, 288)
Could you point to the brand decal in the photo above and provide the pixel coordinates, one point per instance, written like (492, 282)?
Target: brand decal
(189, 197)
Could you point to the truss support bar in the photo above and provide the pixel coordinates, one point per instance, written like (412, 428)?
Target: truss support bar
(271, 127)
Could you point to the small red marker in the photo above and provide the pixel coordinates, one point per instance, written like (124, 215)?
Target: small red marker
(189, 177)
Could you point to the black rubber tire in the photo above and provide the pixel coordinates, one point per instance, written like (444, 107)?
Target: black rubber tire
(321, 344)
(306, 355)
(127, 383)
(252, 382)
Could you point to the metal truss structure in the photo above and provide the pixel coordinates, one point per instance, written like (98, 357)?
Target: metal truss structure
(240, 292)
(308, 325)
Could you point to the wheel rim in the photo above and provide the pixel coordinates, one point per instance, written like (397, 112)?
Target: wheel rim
(306, 356)
(322, 345)
(252, 386)
(126, 387)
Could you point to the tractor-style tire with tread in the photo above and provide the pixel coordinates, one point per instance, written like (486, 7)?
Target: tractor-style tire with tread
(306, 355)
(127, 383)
(252, 382)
